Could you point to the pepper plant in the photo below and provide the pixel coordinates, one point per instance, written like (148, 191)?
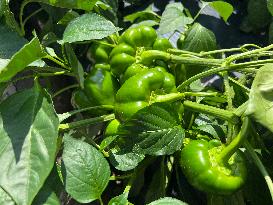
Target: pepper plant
(140, 123)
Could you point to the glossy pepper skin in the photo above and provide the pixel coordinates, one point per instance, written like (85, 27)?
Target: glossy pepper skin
(131, 43)
(100, 88)
(136, 92)
(203, 171)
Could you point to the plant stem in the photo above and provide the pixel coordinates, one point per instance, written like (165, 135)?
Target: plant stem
(147, 57)
(90, 121)
(57, 62)
(260, 166)
(246, 89)
(64, 89)
(228, 94)
(248, 53)
(171, 97)
(24, 3)
(101, 202)
(31, 15)
(235, 144)
(217, 112)
(114, 177)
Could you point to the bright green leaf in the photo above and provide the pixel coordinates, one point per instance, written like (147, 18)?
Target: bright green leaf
(28, 135)
(260, 103)
(87, 27)
(154, 130)
(198, 38)
(69, 16)
(119, 200)
(150, 23)
(86, 172)
(143, 15)
(173, 18)
(29, 53)
(223, 8)
(168, 201)
(71, 4)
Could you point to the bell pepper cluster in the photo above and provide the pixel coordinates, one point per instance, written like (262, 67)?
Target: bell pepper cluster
(119, 78)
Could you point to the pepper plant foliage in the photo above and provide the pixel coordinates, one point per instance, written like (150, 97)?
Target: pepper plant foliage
(119, 114)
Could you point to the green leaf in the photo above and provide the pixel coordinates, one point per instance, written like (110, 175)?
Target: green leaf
(86, 172)
(168, 201)
(223, 8)
(46, 196)
(154, 130)
(119, 200)
(270, 6)
(5, 198)
(157, 187)
(198, 38)
(69, 16)
(9, 17)
(143, 15)
(71, 4)
(75, 64)
(260, 103)
(10, 42)
(173, 18)
(29, 53)
(87, 27)
(150, 23)
(123, 158)
(257, 17)
(28, 135)
(211, 125)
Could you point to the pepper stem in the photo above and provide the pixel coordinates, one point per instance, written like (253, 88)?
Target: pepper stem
(147, 57)
(217, 112)
(234, 145)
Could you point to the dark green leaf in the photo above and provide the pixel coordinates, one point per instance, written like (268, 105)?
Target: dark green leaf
(9, 17)
(143, 15)
(157, 187)
(223, 8)
(87, 27)
(71, 4)
(211, 126)
(28, 135)
(119, 200)
(258, 15)
(270, 6)
(10, 42)
(173, 18)
(75, 64)
(260, 104)
(167, 201)
(69, 16)
(86, 172)
(154, 130)
(46, 196)
(123, 158)
(29, 53)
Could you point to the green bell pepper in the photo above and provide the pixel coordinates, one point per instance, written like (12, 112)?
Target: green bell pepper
(131, 43)
(136, 92)
(201, 167)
